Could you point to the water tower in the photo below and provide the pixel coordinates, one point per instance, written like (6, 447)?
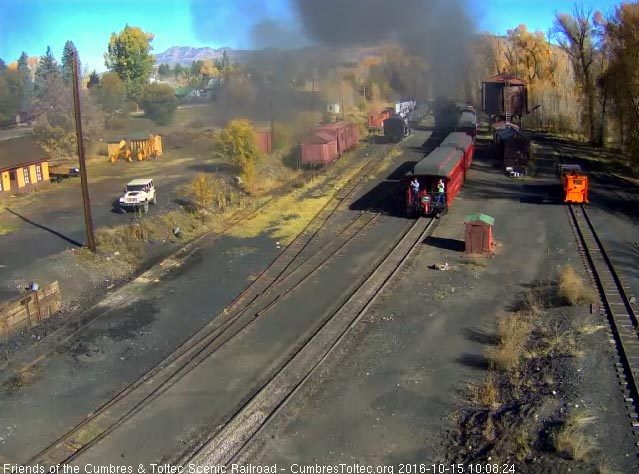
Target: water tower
(504, 98)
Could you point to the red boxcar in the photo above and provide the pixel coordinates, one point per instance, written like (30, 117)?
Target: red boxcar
(463, 142)
(319, 149)
(445, 163)
(264, 141)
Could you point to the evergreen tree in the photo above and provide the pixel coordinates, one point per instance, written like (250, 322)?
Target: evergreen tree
(67, 62)
(94, 80)
(164, 70)
(3, 66)
(47, 72)
(27, 90)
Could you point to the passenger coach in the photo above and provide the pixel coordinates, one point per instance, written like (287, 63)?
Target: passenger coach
(444, 163)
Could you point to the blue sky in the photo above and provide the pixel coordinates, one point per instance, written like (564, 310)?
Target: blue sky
(31, 25)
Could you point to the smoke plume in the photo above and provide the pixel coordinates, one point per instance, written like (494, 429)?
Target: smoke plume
(439, 32)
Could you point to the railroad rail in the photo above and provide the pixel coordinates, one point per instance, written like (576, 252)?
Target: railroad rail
(269, 288)
(226, 444)
(60, 338)
(621, 315)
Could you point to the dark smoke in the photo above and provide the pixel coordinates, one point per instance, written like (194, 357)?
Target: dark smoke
(437, 31)
(303, 39)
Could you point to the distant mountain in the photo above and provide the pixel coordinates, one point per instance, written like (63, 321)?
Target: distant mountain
(185, 55)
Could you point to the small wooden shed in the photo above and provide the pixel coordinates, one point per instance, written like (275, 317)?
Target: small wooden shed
(479, 234)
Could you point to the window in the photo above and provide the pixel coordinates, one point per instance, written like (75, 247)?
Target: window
(25, 172)
(38, 172)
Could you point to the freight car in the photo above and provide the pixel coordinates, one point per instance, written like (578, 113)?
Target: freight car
(346, 134)
(396, 128)
(319, 149)
(467, 122)
(328, 142)
(443, 163)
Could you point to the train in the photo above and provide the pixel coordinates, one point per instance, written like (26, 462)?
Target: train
(449, 163)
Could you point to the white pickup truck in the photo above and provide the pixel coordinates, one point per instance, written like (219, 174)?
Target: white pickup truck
(138, 194)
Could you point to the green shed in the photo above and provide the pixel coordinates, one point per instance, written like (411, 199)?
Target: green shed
(479, 234)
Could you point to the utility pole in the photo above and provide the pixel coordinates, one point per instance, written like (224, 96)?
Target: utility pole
(272, 126)
(83, 168)
(341, 95)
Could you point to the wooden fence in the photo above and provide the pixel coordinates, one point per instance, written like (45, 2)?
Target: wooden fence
(29, 309)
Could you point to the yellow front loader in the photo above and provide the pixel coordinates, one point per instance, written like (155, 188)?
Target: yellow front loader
(136, 148)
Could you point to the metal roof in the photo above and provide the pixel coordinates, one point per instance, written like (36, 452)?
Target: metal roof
(504, 78)
(480, 217)
(440, 162)
(320, 137)
(20, 151)
(467, 118)
(457, 139)
(508, 133)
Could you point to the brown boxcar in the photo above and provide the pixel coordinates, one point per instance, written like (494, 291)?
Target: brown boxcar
(345, 134)
(264, 141)
(319, 149)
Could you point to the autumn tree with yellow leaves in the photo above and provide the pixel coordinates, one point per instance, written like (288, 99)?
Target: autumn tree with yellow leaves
(236, 142)
(577, 37)
(621, 79)
(546, 70)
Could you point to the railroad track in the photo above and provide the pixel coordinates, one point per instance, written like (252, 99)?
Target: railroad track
(284, 275)
(227, 443)
(616, 303)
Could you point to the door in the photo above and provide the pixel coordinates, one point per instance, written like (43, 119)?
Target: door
(477, 239)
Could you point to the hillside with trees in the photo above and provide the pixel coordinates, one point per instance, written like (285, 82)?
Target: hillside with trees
(582, 78)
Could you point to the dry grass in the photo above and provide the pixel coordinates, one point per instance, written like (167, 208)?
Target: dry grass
(125, 240)
(605, 468)
(555, 341)
(285, 217)
(522, 440)
(513, 331)
(588, 325)
(489, 430)
(572, 288)
(571, 441)
(486, 394)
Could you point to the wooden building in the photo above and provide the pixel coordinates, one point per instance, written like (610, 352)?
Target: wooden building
(23, 165)
(479, 234)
